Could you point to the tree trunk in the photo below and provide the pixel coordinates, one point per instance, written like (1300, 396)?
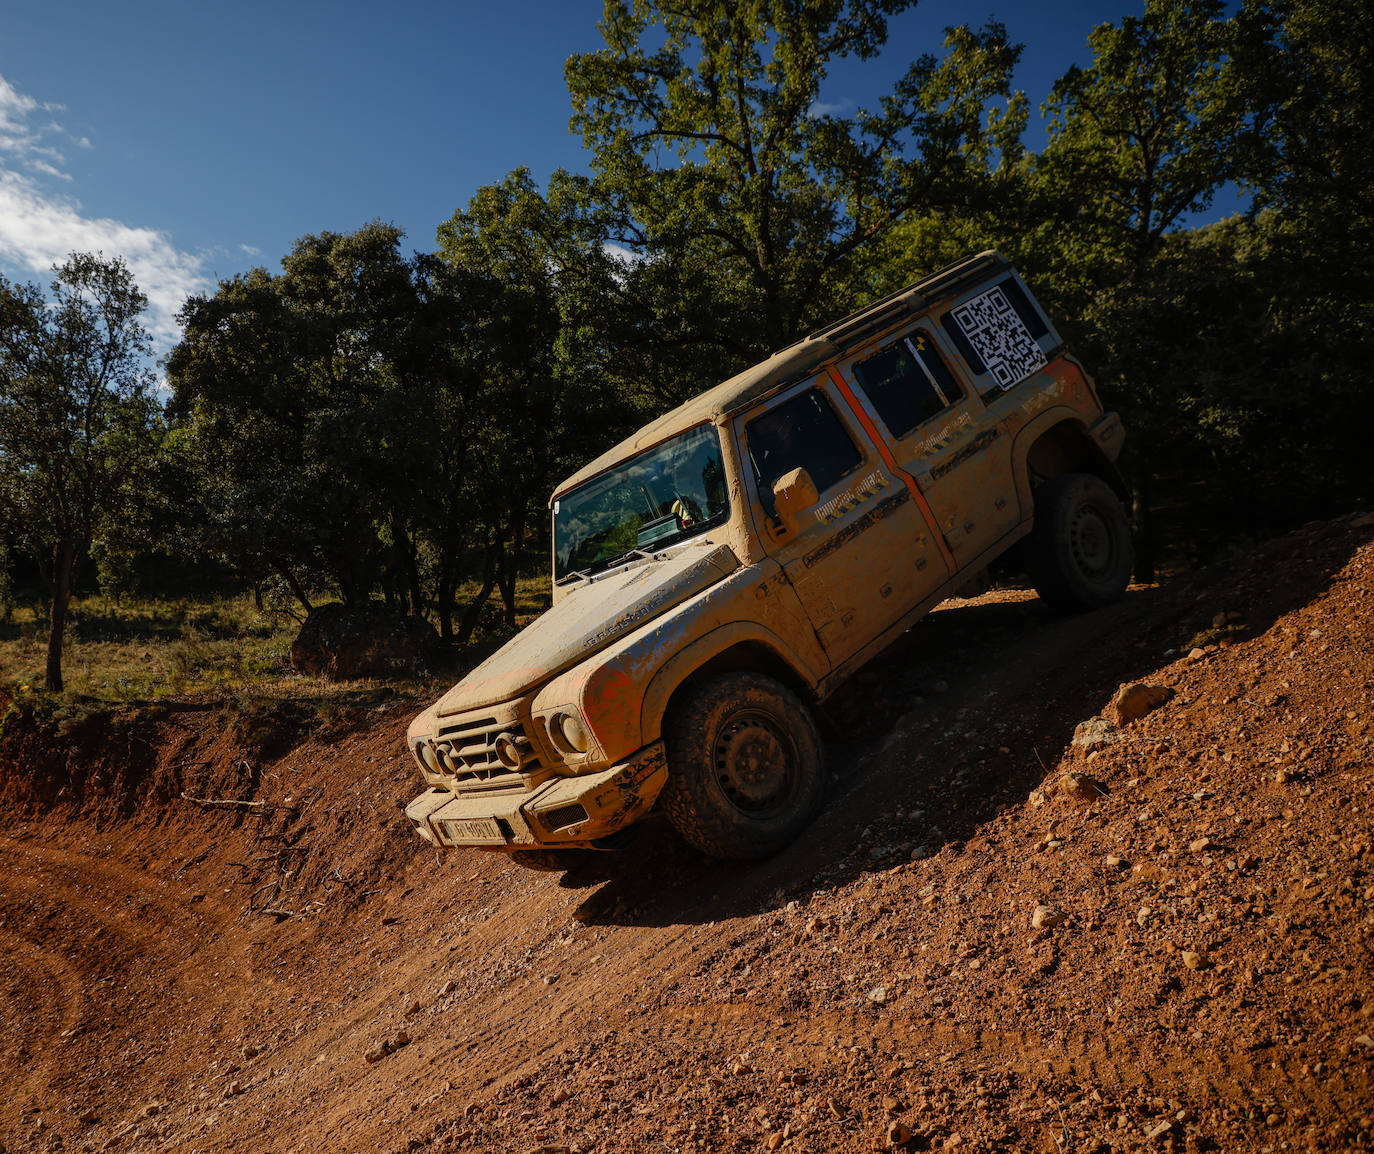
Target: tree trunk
(294, 585)
(470, 615)
(63, 569)
(509, 568)
(404, 551)
(444, 594)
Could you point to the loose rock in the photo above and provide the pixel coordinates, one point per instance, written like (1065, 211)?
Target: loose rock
(1096, 733)
(1081, 786)
(1134, 701)
(1047, 917)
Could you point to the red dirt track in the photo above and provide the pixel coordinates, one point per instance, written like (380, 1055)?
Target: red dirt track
(878, 984)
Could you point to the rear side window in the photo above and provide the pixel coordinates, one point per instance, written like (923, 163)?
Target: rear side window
(801, 433)
(908, 383)
(998, 332)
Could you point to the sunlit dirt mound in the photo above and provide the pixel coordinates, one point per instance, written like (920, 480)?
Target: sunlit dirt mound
(217, 933)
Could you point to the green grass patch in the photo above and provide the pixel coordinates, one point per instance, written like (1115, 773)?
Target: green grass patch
(143, 649)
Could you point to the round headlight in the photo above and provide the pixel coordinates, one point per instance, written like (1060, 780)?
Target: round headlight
(569, 732)
(507, 751)
(424, 753)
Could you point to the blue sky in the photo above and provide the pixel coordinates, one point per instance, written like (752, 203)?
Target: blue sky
(200, 140)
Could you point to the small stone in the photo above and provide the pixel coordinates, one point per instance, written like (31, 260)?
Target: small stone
(91, 1115)
(878, 994)
(233, 1089)
(447, 988)
(774, 1140)
(1194, 960)
(891, 1105)
(1114, 861)
(1047, 917)
(1198, 845)
(401, 1039)
(1096, 733)
(898, 1134)
(1134, 701)
(1196, 654)
(150, 1110)
(549, 979)
(836, 1110)
(1273, 1120)
(738, 1068)
(412, 1007)
(1366, 1041)
(1081, 786)
(560, 1096)
(1158, 1130)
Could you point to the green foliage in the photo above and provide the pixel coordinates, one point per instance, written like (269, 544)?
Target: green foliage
(78, 423)
(714, 157)
(368, 423)
(293, 396)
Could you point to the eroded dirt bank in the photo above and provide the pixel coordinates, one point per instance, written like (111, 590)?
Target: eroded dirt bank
(1210, 986)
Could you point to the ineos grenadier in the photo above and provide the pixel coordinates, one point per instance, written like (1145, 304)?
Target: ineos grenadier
(718, 574)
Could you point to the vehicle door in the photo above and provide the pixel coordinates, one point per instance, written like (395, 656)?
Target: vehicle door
(856, 555)
(940, 434)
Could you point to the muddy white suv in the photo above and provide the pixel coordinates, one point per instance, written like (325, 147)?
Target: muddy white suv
(722, 571)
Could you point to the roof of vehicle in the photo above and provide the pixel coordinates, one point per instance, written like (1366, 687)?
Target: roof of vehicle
(790, 364)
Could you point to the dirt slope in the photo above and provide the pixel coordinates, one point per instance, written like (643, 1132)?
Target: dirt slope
(881, 983)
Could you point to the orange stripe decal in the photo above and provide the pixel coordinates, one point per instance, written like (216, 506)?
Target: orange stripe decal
(883, 451)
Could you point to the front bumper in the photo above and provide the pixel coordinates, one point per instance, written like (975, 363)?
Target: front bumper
(567, 811)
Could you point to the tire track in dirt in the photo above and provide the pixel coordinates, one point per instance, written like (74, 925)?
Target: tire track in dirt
(94, 941)
(24, 962)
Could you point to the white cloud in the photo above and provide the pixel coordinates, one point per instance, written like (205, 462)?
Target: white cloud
(820, 108)
(40, 228)
(621, 255)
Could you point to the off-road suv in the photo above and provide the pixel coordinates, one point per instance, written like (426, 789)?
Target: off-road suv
(722, 571)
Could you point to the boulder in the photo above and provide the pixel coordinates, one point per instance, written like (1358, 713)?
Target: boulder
(370, 639)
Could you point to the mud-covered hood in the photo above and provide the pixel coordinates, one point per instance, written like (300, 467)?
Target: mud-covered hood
(587, 619)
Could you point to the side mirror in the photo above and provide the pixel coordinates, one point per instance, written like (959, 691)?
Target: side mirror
(793, 493)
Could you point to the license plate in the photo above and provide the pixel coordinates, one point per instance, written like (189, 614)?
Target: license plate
(474, 830)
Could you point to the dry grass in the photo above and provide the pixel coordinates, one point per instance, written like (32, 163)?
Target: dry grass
(146, 649)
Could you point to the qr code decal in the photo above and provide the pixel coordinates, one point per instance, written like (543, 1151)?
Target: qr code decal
(1000, 337)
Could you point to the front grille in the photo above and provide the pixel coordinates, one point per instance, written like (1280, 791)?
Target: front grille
(467, 749)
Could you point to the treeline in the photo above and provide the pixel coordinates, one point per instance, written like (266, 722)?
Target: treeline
(371, 423)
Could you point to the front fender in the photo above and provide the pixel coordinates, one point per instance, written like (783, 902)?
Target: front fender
(682, 665)
(623, 690)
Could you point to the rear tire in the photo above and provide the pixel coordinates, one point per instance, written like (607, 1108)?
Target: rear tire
(746, 769)
(1080, 548)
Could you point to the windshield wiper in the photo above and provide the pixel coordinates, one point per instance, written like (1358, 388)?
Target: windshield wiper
(628, 556)
(574, 575)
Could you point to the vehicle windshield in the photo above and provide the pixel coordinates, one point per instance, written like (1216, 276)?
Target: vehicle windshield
(666, 494)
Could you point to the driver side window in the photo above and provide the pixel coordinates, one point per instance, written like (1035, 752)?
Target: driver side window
(801, 433)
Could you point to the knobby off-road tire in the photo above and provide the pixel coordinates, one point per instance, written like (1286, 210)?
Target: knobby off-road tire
(1080, 548)
(746, 769)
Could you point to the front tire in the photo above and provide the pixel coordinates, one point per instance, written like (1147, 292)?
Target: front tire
(1080, 548)
(746, 769)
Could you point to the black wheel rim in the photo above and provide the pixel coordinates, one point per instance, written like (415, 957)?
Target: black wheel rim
(1092, 544)
(755, 763)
